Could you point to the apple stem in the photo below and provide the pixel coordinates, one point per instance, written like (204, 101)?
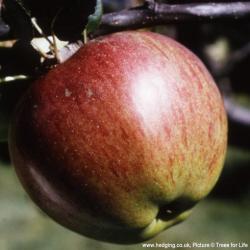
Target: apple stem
(39, 30)
(55, 48)
(85, 36)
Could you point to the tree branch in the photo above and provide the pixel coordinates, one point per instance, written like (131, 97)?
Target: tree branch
(236, 112)
(161, 13)
(239, 123)
(236, 57)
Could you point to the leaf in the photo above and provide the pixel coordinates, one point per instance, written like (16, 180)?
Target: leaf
(94, 20)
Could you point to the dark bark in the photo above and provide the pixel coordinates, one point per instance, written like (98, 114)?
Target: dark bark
(161, 13)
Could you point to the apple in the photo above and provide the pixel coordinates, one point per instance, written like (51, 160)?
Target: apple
(123, 139)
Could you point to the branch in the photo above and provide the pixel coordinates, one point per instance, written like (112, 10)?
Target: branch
(161, 13)
(236, 57)
(238, 116)
(239, 123)
(8, 79)
(236, 112)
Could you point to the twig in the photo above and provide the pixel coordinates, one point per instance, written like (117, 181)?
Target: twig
(7, 79)
(236, 57)
(236, 112)
(161, 13)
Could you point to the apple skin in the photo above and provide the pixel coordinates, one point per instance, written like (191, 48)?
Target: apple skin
(123, 139)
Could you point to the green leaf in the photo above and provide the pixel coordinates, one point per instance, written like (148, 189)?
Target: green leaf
(94, 20)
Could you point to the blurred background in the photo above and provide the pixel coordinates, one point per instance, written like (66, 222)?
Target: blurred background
(224, 216)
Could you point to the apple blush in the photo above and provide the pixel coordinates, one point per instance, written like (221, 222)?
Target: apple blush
(120, 141)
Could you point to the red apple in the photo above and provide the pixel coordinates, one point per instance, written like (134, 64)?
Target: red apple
(123, 139)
